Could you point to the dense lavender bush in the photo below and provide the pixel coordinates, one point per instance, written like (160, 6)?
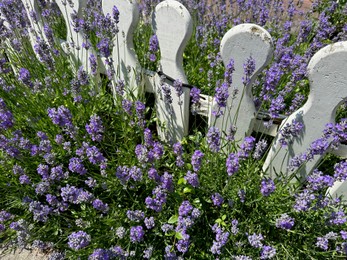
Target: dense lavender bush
(84, 175)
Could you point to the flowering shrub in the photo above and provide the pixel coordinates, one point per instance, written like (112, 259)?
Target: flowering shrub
(84, 175)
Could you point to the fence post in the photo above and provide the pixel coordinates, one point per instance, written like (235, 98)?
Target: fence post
(240, 43)
(173, 26)
(124, 57)
(328, 79)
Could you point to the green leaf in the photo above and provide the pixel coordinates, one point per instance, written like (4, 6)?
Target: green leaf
(224, 217)
(173, 219)
(181, 180)
(170, 233)
(187, 190)
(178, 235)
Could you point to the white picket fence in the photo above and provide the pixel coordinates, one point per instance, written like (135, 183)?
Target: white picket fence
(173, 26)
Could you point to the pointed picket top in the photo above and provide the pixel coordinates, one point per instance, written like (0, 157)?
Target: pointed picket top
(241, 43)
(328, 79)
(73, 45)
(36, 22)
(173, 27)
(124, 57)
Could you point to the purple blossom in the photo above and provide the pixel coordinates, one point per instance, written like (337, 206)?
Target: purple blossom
(285, 222)
(104, 47)
(166, 227)
(4, 216)
(232, 164)
(221, 95)
(135, 215)
(192, 179)
(248, 69)
(24, 76)
(228, 72)
(317, 181)
(39, 211)
(255, 240)
(246, 147)
(337, 218)
(303, 200)
(153, 43)
(149, 222)
(75, 165)
(195, 99)
(220, 240)
(322, 243)
(61, 116)
(95, 128)
(99, 205)
(78, 240)
(267, 187)
(136, 234)
(99, 254)
(197, 160)
(94, 155)
(24, 179)
(260, 148)
(340, 171)
(289, 131)
(185, 208)
(167, 181)
(267, 252)
(217, 199)
(6, 117)
(213, 139)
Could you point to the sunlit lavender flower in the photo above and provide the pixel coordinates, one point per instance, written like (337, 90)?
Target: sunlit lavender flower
(289, 131)
(167, 181)
(260, 148)
(232, 164)
(255, 240)
(135, 215)
(337, 218)
(228, 72)
(267, 252)
(185, 208)
(267, 187)
(303, 200)
(248, 70)
(95, 128)
(197, 160)
(78, 240)
(25, 77)
(285, 221)
(120, 232)
(153, 43)
(340, 171)
(99, 254)
(246, 147)
(317, 180)
(166, 227)
(242, 195)
(213, 139)
(24, 179)
(104, 47)
(177, 84)
(323, 243)
(39, 211)
(182, 245)
(220, 240)
(147, 253)
(61, 116)
(234, 228)
(221, 97)
(136, 234)
(101, 206)
(192, 179)
(217, 199)
(94, 155)
(149, 222)
(4, 216)
(75, 165)
(195, 99)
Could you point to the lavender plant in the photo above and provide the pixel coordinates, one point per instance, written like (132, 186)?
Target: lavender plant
(84, 176)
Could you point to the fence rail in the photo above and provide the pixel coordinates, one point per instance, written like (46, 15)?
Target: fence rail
(326, 73)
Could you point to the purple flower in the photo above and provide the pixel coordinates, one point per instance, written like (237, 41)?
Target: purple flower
(24, 179)
(220, 240)
(185, 208)
(61, 116)
(135, 215)
(337, 218)
(197, 160)
(246, 147)
(195, 99)
(260, 148)
(4, 216)
(95, 128)
(285, 222)
(192, 179)
(78, 240)
(75, 165)
(322, 243)
(317, 180)
(6, 117)
(232, 164)
(267, 187)
(213, 139)
(221, 95)
(167, 181)
(104, 47)
(39, 211)
(340, 171)
(217, 199)
(248, 69)
(99, 205)
(24, 76)
(303, 200)
(93, 64)
(255, 240)
(136, 234)
(290, 130)
(267, 252)
(153, 43)
(166, 227)
(228, 72)
(94, 155)
(99, 254)
(149, 222)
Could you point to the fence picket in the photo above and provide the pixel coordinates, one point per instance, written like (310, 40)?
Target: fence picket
(240, 43)
(73, 45)
(124, 57)
(327, 76)
(173, 26)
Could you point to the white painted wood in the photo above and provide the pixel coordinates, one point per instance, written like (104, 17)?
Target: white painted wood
(173, 26)
(124, 57)
(73, 45)
(328, 78)
(36, 29)
(240, 43)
